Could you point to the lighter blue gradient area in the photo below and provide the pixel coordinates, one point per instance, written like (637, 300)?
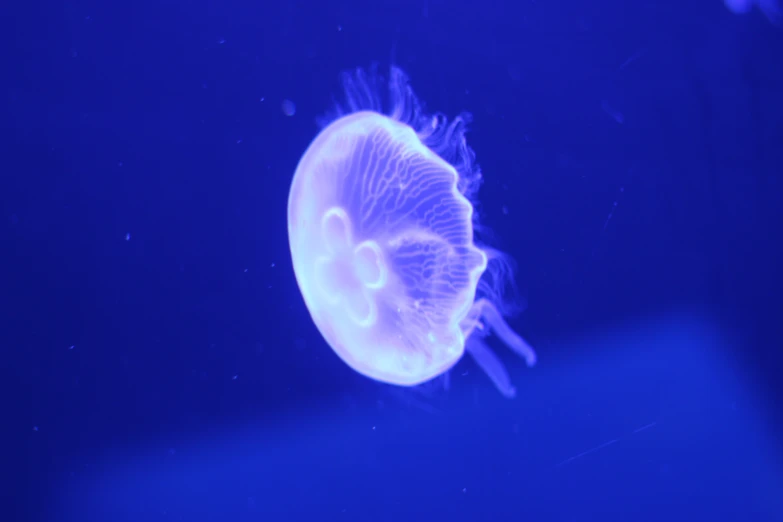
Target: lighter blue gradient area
(669, 425)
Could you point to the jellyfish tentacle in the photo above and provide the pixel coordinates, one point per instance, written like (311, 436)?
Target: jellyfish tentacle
(491, 365)
(490, 315)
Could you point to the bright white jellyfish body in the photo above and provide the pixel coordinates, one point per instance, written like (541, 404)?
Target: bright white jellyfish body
(381, 234)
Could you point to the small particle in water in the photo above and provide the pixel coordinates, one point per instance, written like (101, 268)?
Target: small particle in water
(221, 40)
(615, 114)
(262, 98)
(119, 164)
(35, 428)
(272, 265)
(71, 347)
(288, 107)
(339, 28)
(239, 141)
(235, 377)
(245, 270)
(127, 236)
(635, 56)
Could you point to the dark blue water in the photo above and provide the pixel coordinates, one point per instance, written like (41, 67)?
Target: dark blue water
(160, 362)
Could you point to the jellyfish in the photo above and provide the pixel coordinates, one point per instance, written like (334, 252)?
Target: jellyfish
(381, 233)
(770, 8)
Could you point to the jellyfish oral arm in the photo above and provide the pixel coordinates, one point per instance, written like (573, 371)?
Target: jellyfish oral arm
(492, 319)
(483, 318)
(491, 365)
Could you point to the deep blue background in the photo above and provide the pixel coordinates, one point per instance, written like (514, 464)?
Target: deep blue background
(176, 374)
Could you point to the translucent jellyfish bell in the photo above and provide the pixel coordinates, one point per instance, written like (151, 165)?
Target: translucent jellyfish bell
(380, 227)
